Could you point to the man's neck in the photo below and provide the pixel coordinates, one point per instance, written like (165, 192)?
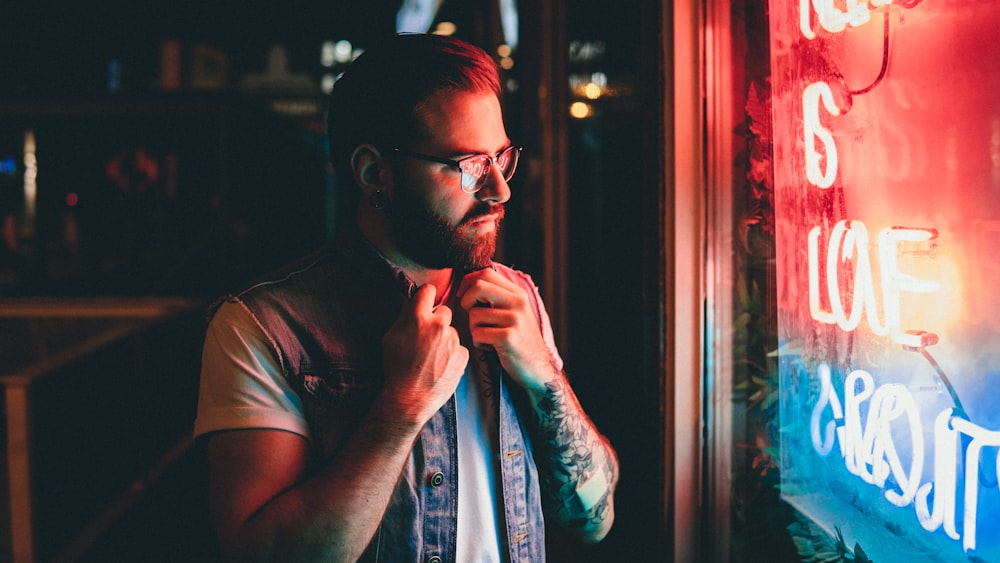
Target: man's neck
(440, 279)
(420, 275)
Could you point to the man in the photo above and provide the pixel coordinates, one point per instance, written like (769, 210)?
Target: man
(397, 396)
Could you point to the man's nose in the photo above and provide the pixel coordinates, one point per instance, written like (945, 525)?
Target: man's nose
(495, 190)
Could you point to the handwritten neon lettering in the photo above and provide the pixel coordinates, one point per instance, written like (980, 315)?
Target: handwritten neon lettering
(815, 308)
(855, 245)
(895, 282)
(833, 19)
(889, 403)
(868, 447)
(878, 429)
(853, 446)
(849, 242)
(827, 396)
(981, 438)
(814, 131)
(945, 480)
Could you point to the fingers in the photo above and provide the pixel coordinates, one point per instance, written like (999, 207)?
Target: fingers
(485, 317)
(490, 338)
(423, 356)
(487, 288)
(423, 299)
(471, 279)
(498, 310)
(424, 308)
(501, 318)
(461, 359)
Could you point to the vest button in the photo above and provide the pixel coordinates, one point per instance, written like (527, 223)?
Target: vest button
(437, 480)
(433, 559)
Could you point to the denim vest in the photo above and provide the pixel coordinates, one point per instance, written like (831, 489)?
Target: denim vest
(325, 316)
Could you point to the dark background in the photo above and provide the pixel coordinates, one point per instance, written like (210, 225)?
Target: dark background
(240, 188)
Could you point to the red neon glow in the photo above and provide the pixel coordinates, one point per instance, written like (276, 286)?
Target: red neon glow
(814, 131)
(887, 177)
(849, 243)
(832, 18)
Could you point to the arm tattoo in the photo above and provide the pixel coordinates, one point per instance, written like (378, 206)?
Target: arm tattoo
(574, 455)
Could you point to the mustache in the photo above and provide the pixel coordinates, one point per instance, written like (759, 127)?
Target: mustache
(481, 211)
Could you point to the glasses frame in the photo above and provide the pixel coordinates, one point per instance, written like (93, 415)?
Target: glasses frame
(480, 181)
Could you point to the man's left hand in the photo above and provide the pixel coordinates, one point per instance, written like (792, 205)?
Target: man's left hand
(501, 317)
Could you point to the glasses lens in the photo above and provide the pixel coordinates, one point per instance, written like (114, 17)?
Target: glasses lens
(507, 162)
(475, 169)
(469, 183)
(474, 172)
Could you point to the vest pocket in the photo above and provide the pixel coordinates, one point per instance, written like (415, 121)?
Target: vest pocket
(335, 397)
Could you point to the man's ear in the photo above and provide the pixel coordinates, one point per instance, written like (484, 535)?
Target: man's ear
(367, 165)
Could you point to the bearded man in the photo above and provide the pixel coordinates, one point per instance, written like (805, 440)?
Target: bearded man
(397, 396)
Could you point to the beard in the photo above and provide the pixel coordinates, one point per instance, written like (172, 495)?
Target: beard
(431, 241)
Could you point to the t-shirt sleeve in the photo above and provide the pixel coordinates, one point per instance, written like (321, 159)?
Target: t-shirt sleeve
(242, 385)
(546, 326)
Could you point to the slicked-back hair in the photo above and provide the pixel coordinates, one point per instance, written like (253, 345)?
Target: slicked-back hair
(379, 97)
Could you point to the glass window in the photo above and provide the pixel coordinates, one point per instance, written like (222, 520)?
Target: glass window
(865, 300)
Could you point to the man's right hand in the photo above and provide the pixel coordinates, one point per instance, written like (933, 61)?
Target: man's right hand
(424, 359)
(268, 504)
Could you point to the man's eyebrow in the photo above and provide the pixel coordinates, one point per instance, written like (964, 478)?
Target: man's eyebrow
(471, 152)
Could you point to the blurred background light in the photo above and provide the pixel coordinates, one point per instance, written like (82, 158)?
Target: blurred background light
(326, 83)
(509, 20)
(343, 51)
(327, 54)
(445, 28)
(581, 110)
(416, 16)
(8, 165)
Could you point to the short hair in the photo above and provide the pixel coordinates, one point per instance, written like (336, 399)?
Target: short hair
(378, 98)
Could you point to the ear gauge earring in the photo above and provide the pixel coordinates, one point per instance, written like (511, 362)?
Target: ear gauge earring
(378, 200)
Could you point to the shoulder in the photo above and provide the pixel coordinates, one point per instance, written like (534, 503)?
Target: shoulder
(288, 277)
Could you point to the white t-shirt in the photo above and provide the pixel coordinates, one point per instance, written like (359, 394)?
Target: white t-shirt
(478, 483)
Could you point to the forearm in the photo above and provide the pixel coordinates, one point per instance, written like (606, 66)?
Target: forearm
(333, 514)
(578, 467)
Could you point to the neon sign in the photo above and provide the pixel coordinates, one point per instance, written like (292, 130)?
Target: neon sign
(850, 240)
(833, 19)
(886, 265)
(814, 131)
(868, 446)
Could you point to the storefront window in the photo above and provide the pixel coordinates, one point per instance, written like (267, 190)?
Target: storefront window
(867, 348)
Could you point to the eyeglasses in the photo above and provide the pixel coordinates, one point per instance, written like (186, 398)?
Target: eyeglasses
(476, 168)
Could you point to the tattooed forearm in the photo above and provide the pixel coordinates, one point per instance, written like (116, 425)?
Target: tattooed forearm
(579, 467)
